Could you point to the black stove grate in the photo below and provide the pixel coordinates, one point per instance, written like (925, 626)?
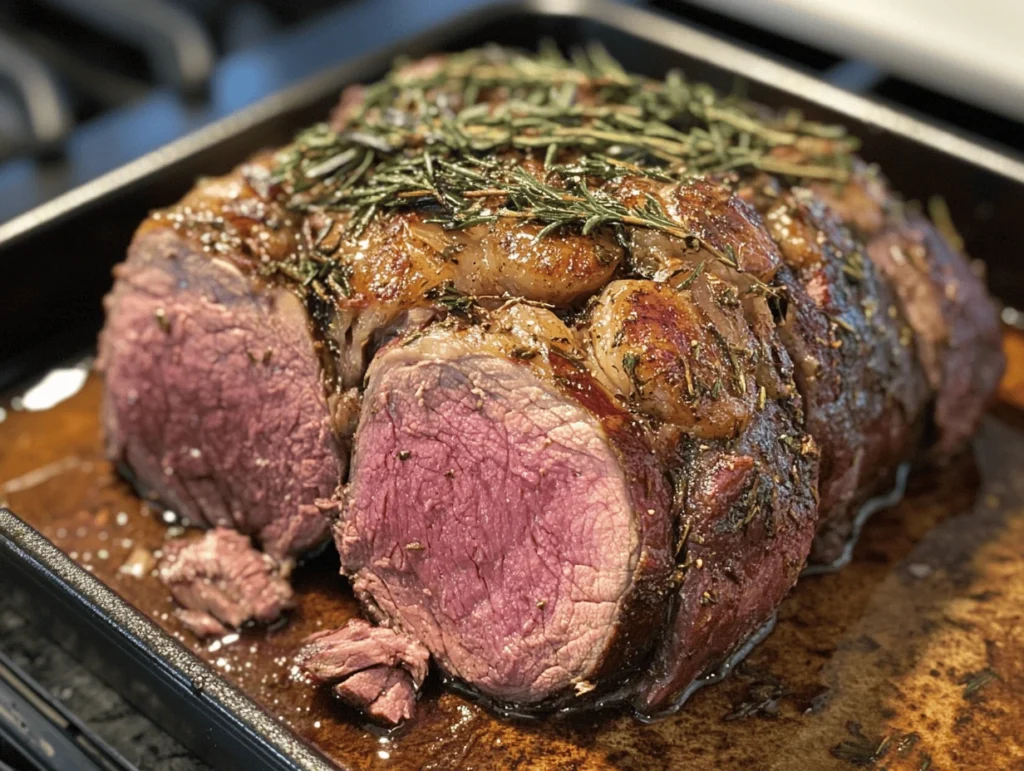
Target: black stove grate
(93, 56)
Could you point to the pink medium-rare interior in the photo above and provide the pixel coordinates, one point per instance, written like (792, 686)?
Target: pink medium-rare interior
(489, 517)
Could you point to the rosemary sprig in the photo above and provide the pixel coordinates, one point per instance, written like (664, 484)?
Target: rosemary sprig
(451, 299)
(452, 138)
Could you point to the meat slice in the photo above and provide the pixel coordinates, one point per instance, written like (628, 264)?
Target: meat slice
(506, 512)
(375, 670)
(200, 623)
(338, 653)
(222, 581)
(213, 391)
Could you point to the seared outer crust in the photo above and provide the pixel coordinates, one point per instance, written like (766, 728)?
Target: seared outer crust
(746, 527)
(645, 607)
(955, 324)
(864, 395)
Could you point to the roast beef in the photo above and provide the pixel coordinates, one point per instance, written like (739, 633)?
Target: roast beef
(612, 358)
(214, 398)
(384, 694)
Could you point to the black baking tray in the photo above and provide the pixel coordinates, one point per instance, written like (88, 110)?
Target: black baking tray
(56, 263)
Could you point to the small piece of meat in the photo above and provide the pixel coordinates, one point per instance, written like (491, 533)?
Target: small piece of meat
(377, 670)
(335, 654)
(384, 694)
(220, 579)
(200, 623)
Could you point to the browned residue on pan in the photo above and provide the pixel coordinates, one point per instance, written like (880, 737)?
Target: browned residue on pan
(910, 658)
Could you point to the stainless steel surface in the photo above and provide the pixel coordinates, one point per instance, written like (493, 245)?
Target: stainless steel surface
(969, 50)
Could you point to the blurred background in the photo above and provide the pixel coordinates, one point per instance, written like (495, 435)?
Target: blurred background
(88, 85)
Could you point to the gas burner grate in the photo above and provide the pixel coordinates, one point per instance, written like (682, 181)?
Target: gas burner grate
(67, 61)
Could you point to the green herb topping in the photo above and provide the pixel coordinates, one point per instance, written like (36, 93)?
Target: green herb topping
(452, 136)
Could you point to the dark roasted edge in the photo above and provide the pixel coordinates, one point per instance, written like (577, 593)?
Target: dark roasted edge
(152, 670)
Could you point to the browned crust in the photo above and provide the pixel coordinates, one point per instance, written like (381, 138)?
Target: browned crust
(646, 605)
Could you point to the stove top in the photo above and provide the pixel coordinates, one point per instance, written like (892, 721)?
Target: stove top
(88, 85)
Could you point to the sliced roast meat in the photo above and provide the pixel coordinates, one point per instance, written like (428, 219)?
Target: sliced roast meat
(375, 670)
(221, 581)
(213, 393)
(585, 391)
(333, 655)
(228, 385)
(200, 623)
(506, 512)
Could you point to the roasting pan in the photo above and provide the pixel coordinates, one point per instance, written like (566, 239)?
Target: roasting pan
(956, 539)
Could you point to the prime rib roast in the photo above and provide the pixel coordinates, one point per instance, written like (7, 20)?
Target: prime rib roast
(578, 369)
